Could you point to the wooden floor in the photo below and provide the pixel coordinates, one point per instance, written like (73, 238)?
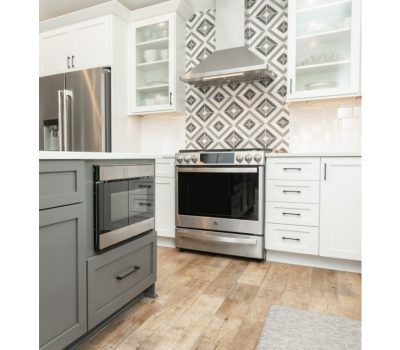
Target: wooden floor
(216, 302)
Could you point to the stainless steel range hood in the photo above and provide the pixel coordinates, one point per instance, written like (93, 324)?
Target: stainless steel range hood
(232, 61)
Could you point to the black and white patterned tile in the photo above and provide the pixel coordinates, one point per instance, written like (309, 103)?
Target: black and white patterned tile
(245, 115)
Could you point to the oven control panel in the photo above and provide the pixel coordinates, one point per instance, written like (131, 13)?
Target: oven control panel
(220, 158)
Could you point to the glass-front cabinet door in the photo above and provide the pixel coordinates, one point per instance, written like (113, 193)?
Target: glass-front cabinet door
(324, 48)
(152, 65)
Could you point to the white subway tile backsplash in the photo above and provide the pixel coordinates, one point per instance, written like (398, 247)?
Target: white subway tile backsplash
(325, 126)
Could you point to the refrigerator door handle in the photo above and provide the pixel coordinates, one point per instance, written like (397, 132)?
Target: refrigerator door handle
(68, 127)
(60, 95)
(106, 108)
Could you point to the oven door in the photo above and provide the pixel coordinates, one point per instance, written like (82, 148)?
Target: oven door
(226, 199)
(124, 209)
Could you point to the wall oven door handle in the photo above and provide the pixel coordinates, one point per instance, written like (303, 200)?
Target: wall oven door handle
(216, 170)
(203, 237)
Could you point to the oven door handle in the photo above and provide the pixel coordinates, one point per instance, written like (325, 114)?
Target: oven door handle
(203, 237)
(216, 170)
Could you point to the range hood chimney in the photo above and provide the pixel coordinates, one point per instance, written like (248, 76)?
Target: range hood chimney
(232, 61)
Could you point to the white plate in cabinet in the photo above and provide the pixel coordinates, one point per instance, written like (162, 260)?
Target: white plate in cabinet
(293, 168)
(292, 191)
(290, 238)
(292, 213)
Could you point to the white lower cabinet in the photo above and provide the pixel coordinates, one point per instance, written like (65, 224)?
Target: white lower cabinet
(340, 221)
(165, 198)
(291, 238)
(317, 212)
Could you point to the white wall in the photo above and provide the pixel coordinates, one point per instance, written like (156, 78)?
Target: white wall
(325, 126)
(162, 134)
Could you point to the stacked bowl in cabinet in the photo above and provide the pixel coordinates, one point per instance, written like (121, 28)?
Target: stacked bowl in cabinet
(292, 205)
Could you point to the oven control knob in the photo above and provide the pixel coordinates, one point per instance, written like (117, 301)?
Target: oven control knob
(194, 158)
(187, 159)
(248, 157)
(179, 159)
(258, 158)
(239, 157)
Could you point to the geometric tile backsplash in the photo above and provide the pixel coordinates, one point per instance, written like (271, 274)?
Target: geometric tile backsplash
(240, 115)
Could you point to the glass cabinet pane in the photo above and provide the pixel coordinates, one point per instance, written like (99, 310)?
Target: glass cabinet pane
(152, 65)
(323, 44)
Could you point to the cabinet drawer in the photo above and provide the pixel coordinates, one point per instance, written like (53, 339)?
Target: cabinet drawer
(293, 168)
(292, 191)
(290, 238)
(60, 183)
(139, 205)
(292, 213)
(165, 167)
(119, 275)
(142, 189)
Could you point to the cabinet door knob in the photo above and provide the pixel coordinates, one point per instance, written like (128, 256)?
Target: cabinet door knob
(68, 58)
(72, 61)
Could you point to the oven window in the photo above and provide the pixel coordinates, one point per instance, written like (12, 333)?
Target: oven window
(124, 202)
(225, 195)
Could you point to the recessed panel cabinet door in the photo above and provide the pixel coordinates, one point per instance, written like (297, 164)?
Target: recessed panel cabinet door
(62, 276)
(165, 207)
(340, 208)
(91, 43)
(54, 46)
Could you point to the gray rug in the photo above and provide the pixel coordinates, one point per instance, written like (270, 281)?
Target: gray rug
(292, 329)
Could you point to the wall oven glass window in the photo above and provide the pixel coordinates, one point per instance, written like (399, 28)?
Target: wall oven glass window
(231, 195)
(124, 203)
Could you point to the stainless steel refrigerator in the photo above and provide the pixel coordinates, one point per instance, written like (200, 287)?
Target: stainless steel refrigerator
(75, 111)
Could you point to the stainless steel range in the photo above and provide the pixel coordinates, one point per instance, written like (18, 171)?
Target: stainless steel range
(220, 202)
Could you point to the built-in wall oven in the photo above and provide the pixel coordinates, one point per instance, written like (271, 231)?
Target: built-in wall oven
(123, 202)
(220, 202)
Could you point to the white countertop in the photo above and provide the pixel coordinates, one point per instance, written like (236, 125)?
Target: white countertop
(314, 154)
(54, 155)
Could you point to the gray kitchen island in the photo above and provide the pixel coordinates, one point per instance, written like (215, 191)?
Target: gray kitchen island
(81, 287)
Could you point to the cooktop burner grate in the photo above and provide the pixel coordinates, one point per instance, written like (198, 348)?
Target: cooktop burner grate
(268, 150)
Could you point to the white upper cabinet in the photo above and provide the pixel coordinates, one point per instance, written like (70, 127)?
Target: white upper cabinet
(324, 49)
(91, 43)
(340, 208)
(156, 61)
(79, 46)
(54, 51)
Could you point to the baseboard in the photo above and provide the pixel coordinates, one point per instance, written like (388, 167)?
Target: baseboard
(314, 261)
(168, 242)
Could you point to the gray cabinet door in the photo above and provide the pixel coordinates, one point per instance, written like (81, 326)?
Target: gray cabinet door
(60, 183)
(62, 276)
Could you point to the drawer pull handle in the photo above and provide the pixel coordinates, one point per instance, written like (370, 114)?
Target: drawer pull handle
(286, 169)
(288, 191)
(295, 214)
(291, 239)
(144, 186)
(133, 270)
(145, 204)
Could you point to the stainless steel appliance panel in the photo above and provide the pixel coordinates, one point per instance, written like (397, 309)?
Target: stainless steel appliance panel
(221, 242)
(255, 227)
(50, 103)
(87, 110)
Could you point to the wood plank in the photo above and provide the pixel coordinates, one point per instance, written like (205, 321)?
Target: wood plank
(206, 301)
